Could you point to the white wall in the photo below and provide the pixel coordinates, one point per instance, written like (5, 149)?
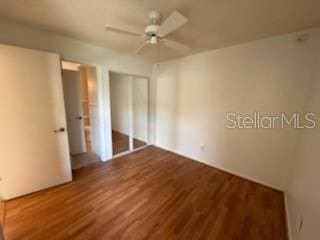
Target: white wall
(303, 196)
(194, 94)
(74, 50)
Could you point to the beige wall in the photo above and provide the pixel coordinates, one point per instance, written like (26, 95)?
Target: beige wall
(303, 197)
(194, 94)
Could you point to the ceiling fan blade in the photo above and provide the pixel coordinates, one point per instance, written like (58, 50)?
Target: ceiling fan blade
(141, 47)
(176, 45)
(174, 21)
(113, 29)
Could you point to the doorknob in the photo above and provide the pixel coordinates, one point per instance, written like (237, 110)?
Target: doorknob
(79, 118)
(59, 130)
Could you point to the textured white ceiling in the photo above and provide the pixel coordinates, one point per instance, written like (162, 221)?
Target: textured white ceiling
(212, 23)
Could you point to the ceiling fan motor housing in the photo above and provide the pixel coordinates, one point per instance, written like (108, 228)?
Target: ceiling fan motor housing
(152, 30)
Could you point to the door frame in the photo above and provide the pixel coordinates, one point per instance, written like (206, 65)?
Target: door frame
(149, 113)
(102, 105)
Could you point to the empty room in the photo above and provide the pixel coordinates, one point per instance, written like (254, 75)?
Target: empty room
(141, 120)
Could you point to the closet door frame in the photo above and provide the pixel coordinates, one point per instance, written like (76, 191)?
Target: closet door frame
(130, 102)
(130, 106)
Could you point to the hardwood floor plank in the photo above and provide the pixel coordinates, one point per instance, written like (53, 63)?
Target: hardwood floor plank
(2, 215)
(149, 194)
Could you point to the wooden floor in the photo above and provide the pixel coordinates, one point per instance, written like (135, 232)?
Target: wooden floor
(149, 194)
(83, 159)
(2, 213)
(120, 142)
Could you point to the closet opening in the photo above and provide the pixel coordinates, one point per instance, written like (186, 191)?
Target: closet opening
(129, 100)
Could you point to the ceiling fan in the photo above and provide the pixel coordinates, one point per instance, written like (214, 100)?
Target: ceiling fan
(155, 33)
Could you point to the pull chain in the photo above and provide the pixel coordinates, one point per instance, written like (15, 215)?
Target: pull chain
(158, 55)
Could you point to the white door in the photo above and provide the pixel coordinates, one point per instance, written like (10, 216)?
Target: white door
(33, 142)
(73, 104)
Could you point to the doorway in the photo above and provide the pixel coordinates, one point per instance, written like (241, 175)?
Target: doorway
(129, 97)
(80, 97)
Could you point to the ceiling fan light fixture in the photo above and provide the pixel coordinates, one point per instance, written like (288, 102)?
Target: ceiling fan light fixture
(154, 40)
